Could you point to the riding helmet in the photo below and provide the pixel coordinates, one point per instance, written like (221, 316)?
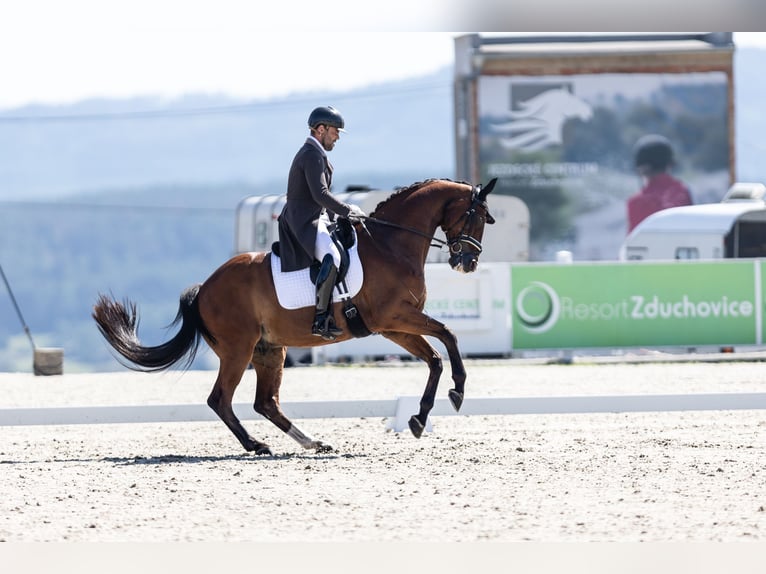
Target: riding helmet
(653, 150)
(328, 116)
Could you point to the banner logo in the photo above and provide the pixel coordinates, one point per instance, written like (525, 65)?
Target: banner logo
(538, 114)
(538, 307)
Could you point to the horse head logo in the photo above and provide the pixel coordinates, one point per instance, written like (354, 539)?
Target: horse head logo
(539, 121)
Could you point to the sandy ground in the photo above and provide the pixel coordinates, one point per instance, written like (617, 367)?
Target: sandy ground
(666, 476)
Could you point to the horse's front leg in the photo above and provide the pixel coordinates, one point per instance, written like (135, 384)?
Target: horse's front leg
(448, 339)
(422, 349)
(268, 362)
(434, 328)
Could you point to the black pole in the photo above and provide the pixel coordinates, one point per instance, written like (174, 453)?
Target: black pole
(18, 311)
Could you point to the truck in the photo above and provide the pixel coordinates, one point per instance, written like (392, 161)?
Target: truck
(555, 119)
(733, 228)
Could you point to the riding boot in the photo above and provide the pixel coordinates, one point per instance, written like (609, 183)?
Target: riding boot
(324, 322)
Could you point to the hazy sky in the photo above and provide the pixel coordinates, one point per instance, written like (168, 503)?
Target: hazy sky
(170, 62)
(59, 52)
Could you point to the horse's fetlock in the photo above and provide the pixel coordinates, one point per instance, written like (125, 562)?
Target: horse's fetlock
(212, 402)
(426, 405)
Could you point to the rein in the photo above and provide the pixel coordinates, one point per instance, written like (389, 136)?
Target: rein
(455, 245)
(435, 241)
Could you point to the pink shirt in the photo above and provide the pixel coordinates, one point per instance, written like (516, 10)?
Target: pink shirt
(661, 192)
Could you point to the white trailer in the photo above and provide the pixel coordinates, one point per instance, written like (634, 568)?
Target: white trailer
(736, 227)
(507, 240)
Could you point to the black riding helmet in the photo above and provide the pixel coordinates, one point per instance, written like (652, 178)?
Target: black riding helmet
(653, 150)
(328, 116)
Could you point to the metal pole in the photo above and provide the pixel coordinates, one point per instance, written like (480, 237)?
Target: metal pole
(18, 311)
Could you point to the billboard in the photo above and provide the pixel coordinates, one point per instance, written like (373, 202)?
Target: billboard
(564, 145)
(676, 303)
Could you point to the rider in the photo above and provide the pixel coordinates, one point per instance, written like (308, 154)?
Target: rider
(303, 233)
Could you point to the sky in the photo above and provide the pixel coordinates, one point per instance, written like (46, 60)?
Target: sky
(62, 52)
(169, 63)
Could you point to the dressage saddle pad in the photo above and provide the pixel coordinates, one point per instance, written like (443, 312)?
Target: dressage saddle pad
(295, 289)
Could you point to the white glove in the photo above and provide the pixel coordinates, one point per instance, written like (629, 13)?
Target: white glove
(355, 212)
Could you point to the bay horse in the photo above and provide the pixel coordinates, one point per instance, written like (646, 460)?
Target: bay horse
(237, 313)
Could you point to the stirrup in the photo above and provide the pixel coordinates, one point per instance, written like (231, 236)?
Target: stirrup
(325, 327)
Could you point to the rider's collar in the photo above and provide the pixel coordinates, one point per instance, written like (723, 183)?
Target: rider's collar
(315, 141)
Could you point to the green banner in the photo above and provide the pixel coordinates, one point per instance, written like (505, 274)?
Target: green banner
(678, 303)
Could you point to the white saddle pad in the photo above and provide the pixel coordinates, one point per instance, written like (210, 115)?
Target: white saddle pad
(295, 289)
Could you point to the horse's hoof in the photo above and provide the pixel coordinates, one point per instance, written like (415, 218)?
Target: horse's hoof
(456, 399)
(416, 426)
(264, 450)
(322, 447)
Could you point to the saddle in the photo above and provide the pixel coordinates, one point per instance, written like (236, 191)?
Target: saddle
(342, 233)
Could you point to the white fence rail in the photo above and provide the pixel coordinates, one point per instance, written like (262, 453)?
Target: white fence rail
(398, 411)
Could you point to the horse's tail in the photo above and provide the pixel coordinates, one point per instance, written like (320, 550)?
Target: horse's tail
(118, 323)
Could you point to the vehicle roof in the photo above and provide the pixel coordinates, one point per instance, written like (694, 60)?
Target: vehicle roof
(703, 218)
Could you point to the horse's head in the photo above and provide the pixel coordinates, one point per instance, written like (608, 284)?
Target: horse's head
(464, 227)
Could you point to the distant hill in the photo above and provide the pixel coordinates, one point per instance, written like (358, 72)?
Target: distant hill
(407, 126)
(100, 145)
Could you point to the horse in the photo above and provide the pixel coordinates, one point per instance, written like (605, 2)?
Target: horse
(237, 313)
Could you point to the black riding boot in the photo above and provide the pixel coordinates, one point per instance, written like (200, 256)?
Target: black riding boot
(324, 322)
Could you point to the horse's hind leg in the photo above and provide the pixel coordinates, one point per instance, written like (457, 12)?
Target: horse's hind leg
(229, 375)
(422, 349)
(268, 362)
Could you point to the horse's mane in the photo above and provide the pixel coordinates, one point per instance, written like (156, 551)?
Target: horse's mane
(404, 191)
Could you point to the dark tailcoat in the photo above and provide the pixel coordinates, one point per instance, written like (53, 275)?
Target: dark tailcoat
(308, 193)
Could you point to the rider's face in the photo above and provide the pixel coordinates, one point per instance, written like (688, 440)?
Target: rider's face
(328, 135)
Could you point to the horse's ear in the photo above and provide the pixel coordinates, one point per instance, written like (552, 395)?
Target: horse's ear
(484, 192)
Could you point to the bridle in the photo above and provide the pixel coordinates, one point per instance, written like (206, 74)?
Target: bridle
(456, 244)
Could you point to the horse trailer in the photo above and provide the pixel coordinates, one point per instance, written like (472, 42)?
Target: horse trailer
(507, 240)
(554, 117)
